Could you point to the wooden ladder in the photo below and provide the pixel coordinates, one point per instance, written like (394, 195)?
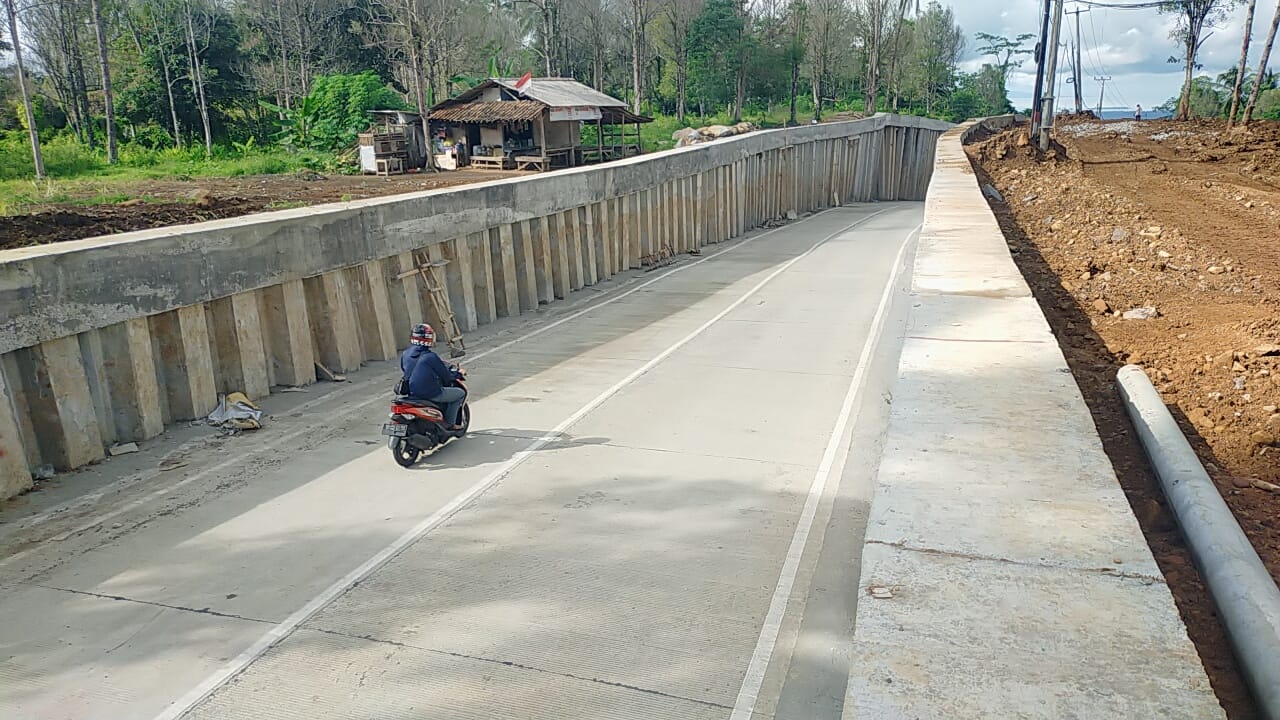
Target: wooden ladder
(432, 276)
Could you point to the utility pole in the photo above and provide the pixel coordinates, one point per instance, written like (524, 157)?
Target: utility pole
(1077, 70)
(1051, 73)
(1102, 93)
(1038, 95)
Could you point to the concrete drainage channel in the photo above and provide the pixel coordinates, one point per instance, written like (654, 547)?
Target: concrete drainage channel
(1246, 597)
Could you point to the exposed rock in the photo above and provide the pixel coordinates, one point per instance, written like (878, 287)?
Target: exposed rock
(1142, 313)
(1216, 269)
(1155, 518)
(1241, 482)
(683, 134)
(990, 191)
(1262, 438)
(1101, 306)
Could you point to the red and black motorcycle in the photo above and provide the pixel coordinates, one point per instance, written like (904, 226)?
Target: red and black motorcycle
(418, 426)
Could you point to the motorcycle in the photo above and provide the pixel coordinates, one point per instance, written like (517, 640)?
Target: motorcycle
(418, 426)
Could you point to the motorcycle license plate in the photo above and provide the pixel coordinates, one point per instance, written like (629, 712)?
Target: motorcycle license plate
(395, 430)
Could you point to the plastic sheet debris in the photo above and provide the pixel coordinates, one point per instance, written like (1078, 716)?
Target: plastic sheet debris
(235, 411)
(122, 449)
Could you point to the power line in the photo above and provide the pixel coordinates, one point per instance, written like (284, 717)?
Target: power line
(1122, 6)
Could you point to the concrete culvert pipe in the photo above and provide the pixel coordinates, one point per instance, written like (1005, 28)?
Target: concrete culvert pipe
(1247, 598)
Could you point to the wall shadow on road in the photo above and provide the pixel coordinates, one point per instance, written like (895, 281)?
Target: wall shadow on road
(1094, 367)
(608, 593)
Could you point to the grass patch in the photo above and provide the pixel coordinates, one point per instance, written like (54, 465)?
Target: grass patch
(82, 176)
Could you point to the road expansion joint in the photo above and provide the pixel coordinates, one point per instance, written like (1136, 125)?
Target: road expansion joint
(121, 598)
(518, 666)
(1144, 578)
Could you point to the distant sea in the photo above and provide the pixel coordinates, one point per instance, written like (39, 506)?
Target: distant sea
(1127, 114)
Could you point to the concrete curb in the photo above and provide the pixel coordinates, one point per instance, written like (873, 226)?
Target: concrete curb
(1003, 573)
(1247, 598)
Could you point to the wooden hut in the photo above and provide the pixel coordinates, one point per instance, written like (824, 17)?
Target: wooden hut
(532, 124)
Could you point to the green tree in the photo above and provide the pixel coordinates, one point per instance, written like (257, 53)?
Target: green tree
(936, 49)
(1194, 17)
(715, 51)
(1007, 53)
(335, 111)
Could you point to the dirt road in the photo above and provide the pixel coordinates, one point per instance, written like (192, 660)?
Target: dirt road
(1178, 224)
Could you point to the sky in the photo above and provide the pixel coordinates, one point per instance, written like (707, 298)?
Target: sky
(1132, 46)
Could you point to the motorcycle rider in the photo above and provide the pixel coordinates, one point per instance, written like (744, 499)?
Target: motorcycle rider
(430, 378)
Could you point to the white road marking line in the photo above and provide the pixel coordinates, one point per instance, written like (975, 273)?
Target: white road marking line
(348, 410)
(745, 705)
(282, 630)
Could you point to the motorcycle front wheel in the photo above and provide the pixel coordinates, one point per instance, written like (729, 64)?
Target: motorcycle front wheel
(464, 419)
(404, 453)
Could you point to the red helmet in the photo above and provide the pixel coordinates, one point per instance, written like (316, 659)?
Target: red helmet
(423, 335)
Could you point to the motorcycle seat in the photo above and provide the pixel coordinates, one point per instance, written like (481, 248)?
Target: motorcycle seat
(414, 402)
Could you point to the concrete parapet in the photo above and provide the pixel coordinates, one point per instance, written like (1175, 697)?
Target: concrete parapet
(107, 339)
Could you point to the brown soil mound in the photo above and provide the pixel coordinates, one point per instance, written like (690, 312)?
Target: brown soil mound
(61, 225)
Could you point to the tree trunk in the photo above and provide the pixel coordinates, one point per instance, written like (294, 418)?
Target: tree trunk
(873, 67)
(1262, 69)
(303, 81)
(816, 86)
(740, 79)
(891, 86)
(636, 9)
(1243, 66)
(740, 92)
(548, 41)
(37, 158)
(82, 86)
(108, 100)
(795, 85)
(197, 81)
(420, 92)
(1184, 102)
(284, 58)
(173, 106)
(682, 86)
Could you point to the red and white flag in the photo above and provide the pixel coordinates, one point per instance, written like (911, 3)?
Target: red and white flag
(523, 81)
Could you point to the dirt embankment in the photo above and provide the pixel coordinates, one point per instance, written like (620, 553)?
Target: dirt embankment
(1159, 244)
(161, 203)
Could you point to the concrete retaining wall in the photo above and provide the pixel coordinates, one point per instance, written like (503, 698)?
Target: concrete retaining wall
(110, 339)
(1004, 574)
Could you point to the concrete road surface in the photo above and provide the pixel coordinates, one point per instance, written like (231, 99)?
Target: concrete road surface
(659, 515)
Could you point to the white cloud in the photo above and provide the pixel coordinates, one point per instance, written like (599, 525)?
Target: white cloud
(1132, 46)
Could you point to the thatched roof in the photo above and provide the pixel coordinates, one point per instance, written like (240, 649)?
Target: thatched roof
(528, 103)
(490, 112)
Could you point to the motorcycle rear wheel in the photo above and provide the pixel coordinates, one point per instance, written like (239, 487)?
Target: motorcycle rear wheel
(405, 454)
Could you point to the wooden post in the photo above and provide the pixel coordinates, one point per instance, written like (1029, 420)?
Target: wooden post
(600, 138)
(542, 141)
